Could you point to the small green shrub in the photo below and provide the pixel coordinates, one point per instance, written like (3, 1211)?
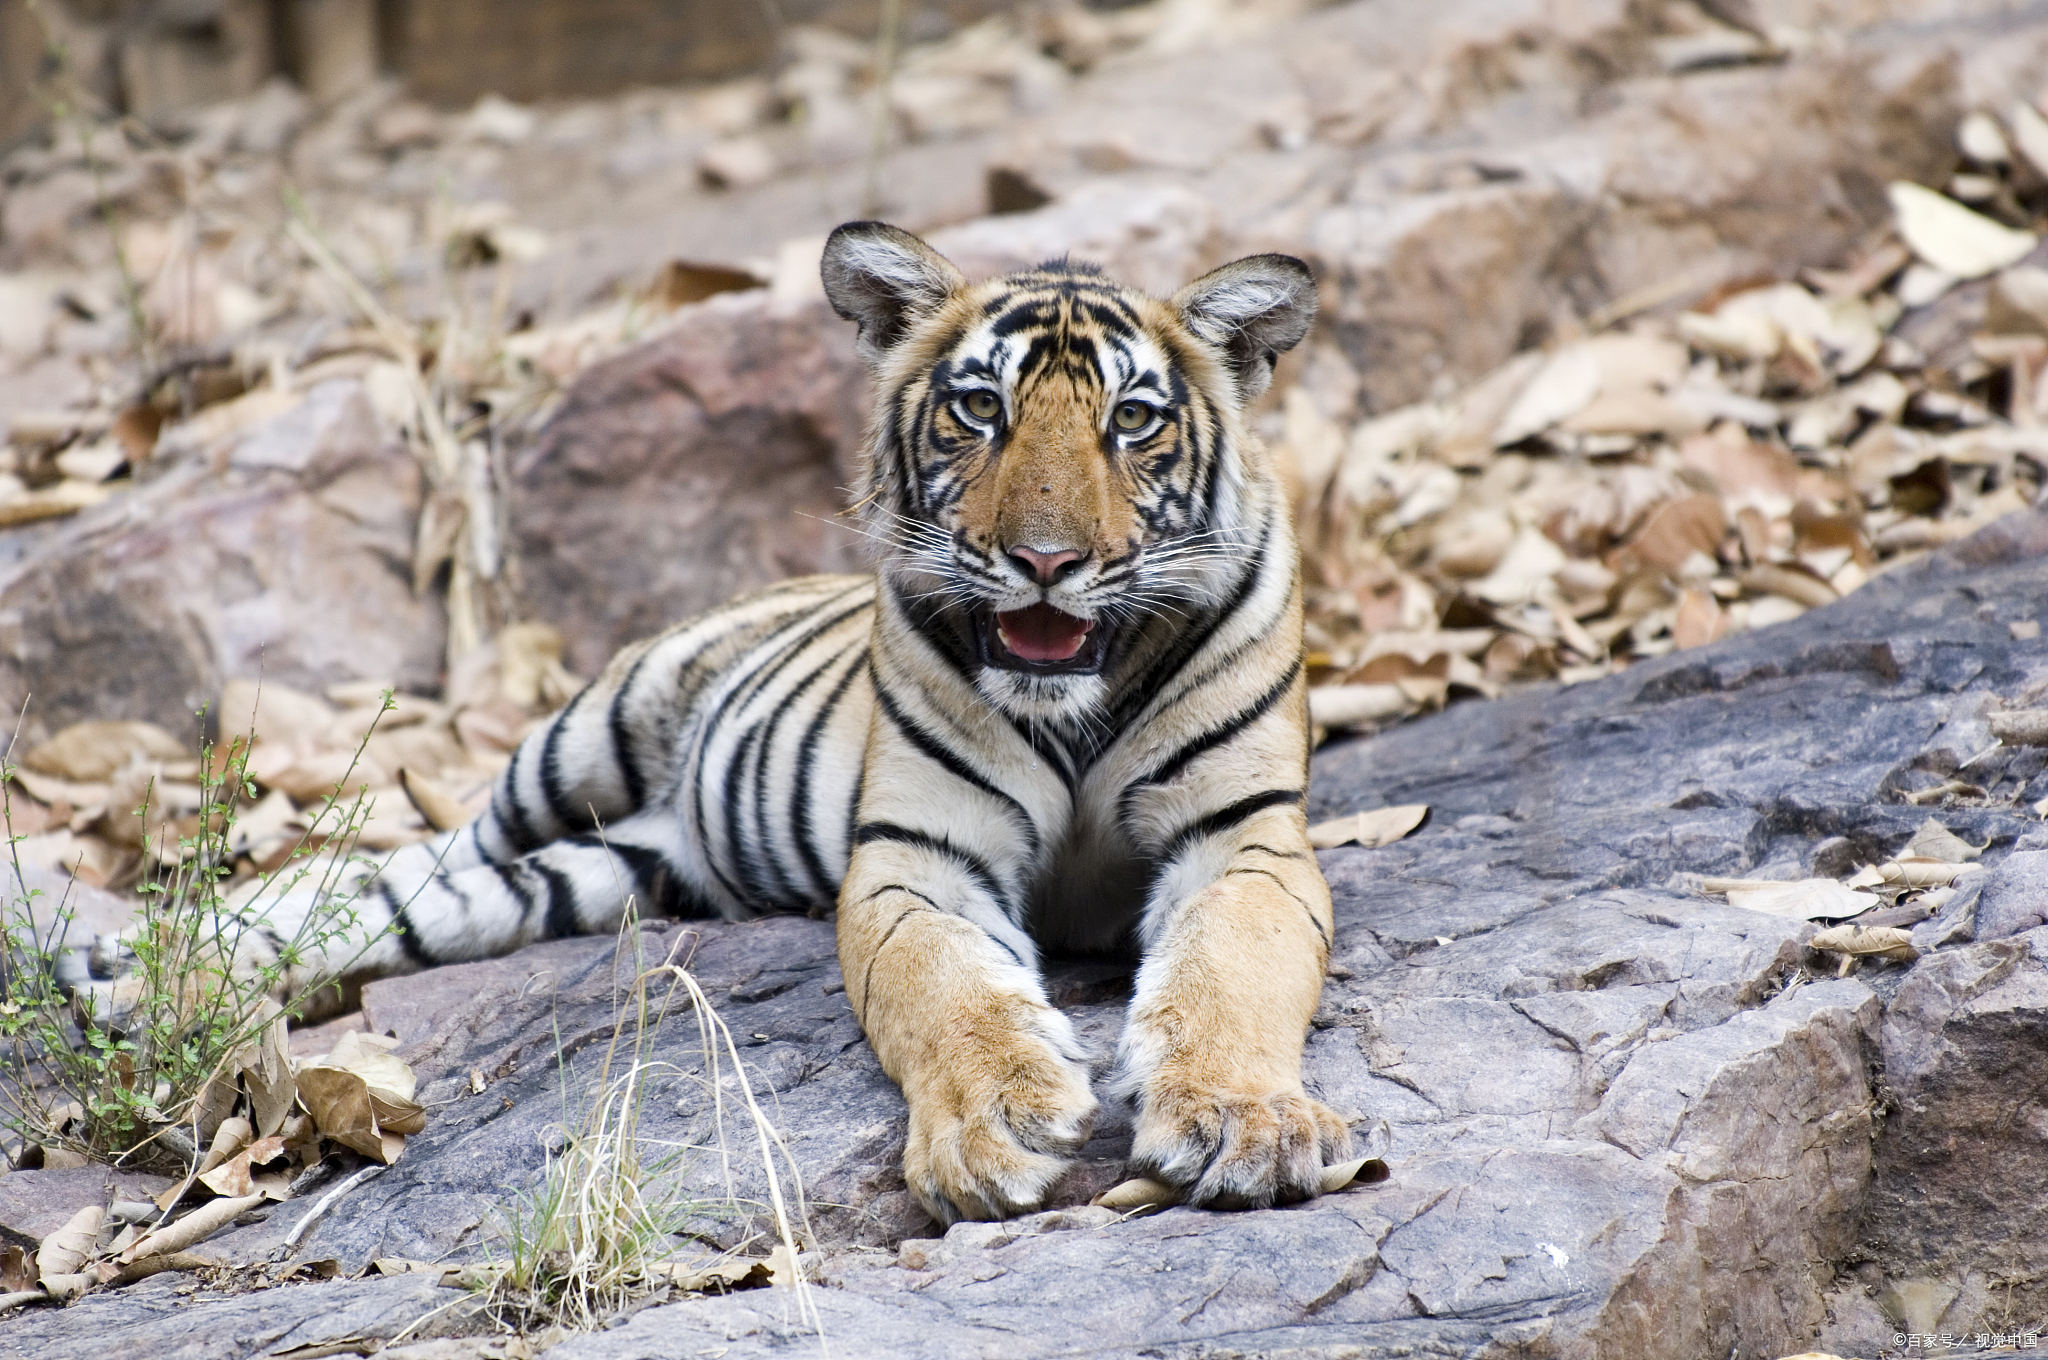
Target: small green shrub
(114, 1070)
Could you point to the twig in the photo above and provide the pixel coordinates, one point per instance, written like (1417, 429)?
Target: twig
(890, 39)
(326, 1202)
(443, 458)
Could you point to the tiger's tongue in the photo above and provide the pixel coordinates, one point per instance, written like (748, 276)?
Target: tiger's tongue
(1042, 633)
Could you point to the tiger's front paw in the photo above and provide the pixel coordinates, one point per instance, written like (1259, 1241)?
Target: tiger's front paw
(1228, 1149)
(991, 1134)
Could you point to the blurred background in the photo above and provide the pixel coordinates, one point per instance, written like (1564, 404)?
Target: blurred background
(448, 346)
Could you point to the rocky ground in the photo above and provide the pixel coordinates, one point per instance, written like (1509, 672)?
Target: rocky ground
(1663, 459)
(1622, 1116)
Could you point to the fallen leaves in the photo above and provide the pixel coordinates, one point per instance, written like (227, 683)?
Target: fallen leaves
(1805, 900)
(1919, 881)
(361, 1096)
(276, 1124)
(1673, 481)
(1953, 239)
(1853, 942)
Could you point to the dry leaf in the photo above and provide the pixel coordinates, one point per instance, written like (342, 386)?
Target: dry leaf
(1136, 1194)
(1952, 238)
(1912, 871)
(155, 1264)
(234, 1134)
(1530, 563)
(1567, 382)
(190, 1230)
(68, 1286)
(67, 497)
(1808, 899)
(1675, 531)
(361, 1096)
(235, 1177)
(1699, 620)
(93, 752)
(1340, 706)
(1886, 942)
(1789, 582)
(1357, 1171)
(721, 1276)
(2030, 133)
(400, 1265)
(1372, 829)
(1935, 841)
(65, 1251)
(2020, 726)
(266, 1068)
(439, 807)
(17, 1269)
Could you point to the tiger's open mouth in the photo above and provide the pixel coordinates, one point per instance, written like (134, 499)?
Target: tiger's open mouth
(1043, 640)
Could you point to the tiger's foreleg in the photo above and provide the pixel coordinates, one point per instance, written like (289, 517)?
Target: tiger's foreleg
(952, 1003)
(1235, 947)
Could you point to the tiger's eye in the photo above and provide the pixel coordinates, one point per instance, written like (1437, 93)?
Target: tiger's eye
(1132, 415)
(984, 405)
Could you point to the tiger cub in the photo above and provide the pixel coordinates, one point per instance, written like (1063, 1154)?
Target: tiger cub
(1068, 713)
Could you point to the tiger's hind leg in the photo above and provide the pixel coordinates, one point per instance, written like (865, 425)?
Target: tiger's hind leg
(431, 904)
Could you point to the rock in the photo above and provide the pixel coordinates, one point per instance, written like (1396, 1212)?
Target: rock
(34, 1204)
(283, 551)
(708, 461)
(1623, 1118)
(158, 1318)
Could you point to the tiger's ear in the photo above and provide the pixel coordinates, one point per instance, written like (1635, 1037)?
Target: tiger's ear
(1253, 310)
(882, 278)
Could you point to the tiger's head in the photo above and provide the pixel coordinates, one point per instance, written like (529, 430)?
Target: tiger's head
(1060, 465)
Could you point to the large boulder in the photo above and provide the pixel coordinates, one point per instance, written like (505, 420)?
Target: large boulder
(1623, 1117)
(280, 550)
(708, 461)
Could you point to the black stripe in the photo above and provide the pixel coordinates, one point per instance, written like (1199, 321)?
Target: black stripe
(709, 734)
(453, 889)
(1269, 850)
(952, 763)
(1224, 819)
(1321, 934)
(1209, 740)
(551, 769)
(521, 891)
(737, 842)
(1191, 643)
(519, 832)
(561, 922)
(622, 738)
(869, 833)
(801, 830)
(782, 889)
(415, 949)
(867, 982)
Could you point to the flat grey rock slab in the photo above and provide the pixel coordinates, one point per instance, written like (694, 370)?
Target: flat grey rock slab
(166, 1318)
(1623, 1117)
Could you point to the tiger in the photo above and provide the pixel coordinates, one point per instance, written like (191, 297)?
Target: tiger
(1067, 712)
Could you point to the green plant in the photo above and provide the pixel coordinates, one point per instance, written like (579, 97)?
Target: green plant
(114, 1070)
(604, 1224)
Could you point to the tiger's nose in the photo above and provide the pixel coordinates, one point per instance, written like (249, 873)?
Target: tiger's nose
(1047, 568)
